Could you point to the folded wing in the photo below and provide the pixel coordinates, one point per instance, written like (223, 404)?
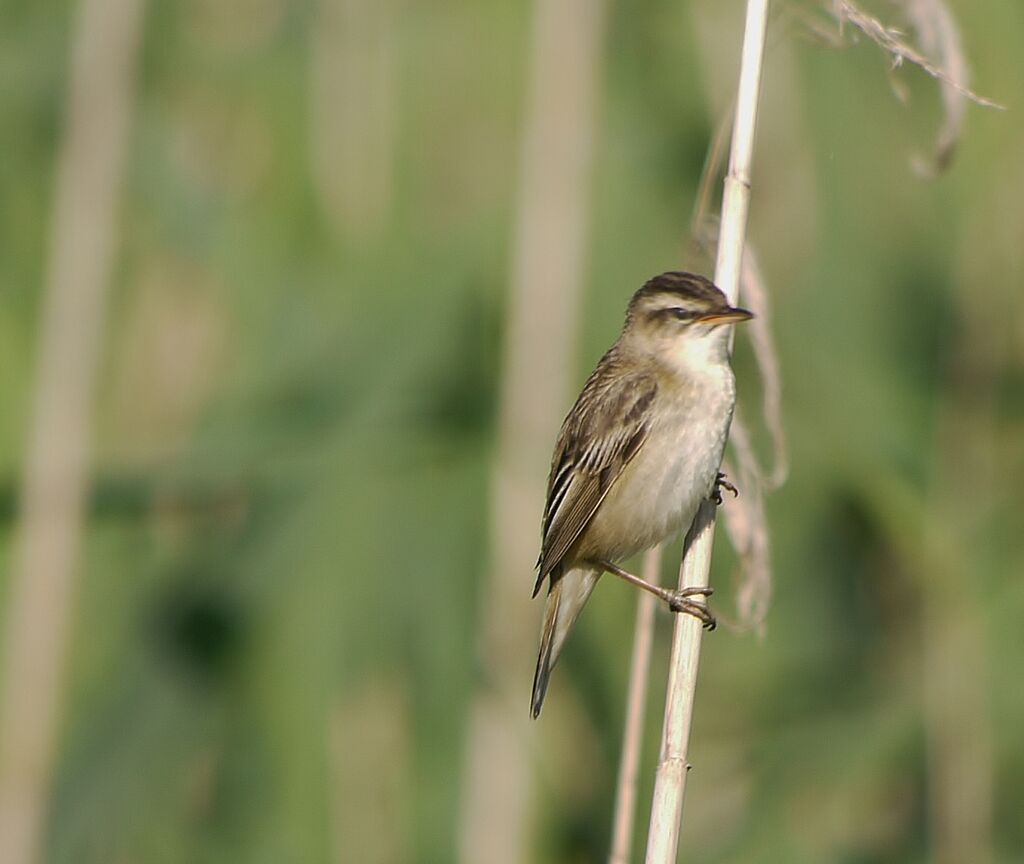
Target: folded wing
(603, 432)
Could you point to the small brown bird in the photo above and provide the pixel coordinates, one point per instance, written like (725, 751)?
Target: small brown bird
(639, 450)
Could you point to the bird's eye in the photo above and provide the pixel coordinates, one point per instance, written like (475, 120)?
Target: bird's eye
(682, 314)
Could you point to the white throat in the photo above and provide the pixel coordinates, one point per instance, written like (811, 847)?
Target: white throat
(697, 350)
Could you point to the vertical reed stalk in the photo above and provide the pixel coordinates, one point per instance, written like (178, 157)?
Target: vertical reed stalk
(670, 780)
(52, 502)
(544, 293)
(636, 703)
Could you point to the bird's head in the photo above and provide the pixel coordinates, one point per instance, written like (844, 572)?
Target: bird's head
(680, 318)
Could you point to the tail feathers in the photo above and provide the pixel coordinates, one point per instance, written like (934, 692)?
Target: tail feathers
(564, 604)
(546, 658)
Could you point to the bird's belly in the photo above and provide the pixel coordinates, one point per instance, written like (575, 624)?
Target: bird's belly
(658, 493)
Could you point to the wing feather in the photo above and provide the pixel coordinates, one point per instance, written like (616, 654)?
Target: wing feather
(604, 431)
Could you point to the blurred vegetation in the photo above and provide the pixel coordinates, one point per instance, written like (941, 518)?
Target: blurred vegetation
(272, 650)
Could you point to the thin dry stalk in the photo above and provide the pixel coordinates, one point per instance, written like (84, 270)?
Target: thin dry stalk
(747, 526)
(745, 519)
(939, 37)
(670, 780)
(941, 56)
(891, 40)
(758, 300)
(546, 283)
(636, 704)
(88, 191)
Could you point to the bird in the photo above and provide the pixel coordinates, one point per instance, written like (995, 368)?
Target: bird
(637, 453)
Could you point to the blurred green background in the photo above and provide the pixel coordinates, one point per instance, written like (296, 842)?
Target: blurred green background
(286, 553)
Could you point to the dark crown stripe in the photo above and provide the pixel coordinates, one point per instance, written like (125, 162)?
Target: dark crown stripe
(687, 286)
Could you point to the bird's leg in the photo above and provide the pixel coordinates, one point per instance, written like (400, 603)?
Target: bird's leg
(678, 601)
(722, 482)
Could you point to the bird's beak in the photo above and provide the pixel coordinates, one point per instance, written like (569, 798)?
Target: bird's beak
(730, 315)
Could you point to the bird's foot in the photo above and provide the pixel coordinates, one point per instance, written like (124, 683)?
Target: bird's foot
(680, 602)
(722, 482)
